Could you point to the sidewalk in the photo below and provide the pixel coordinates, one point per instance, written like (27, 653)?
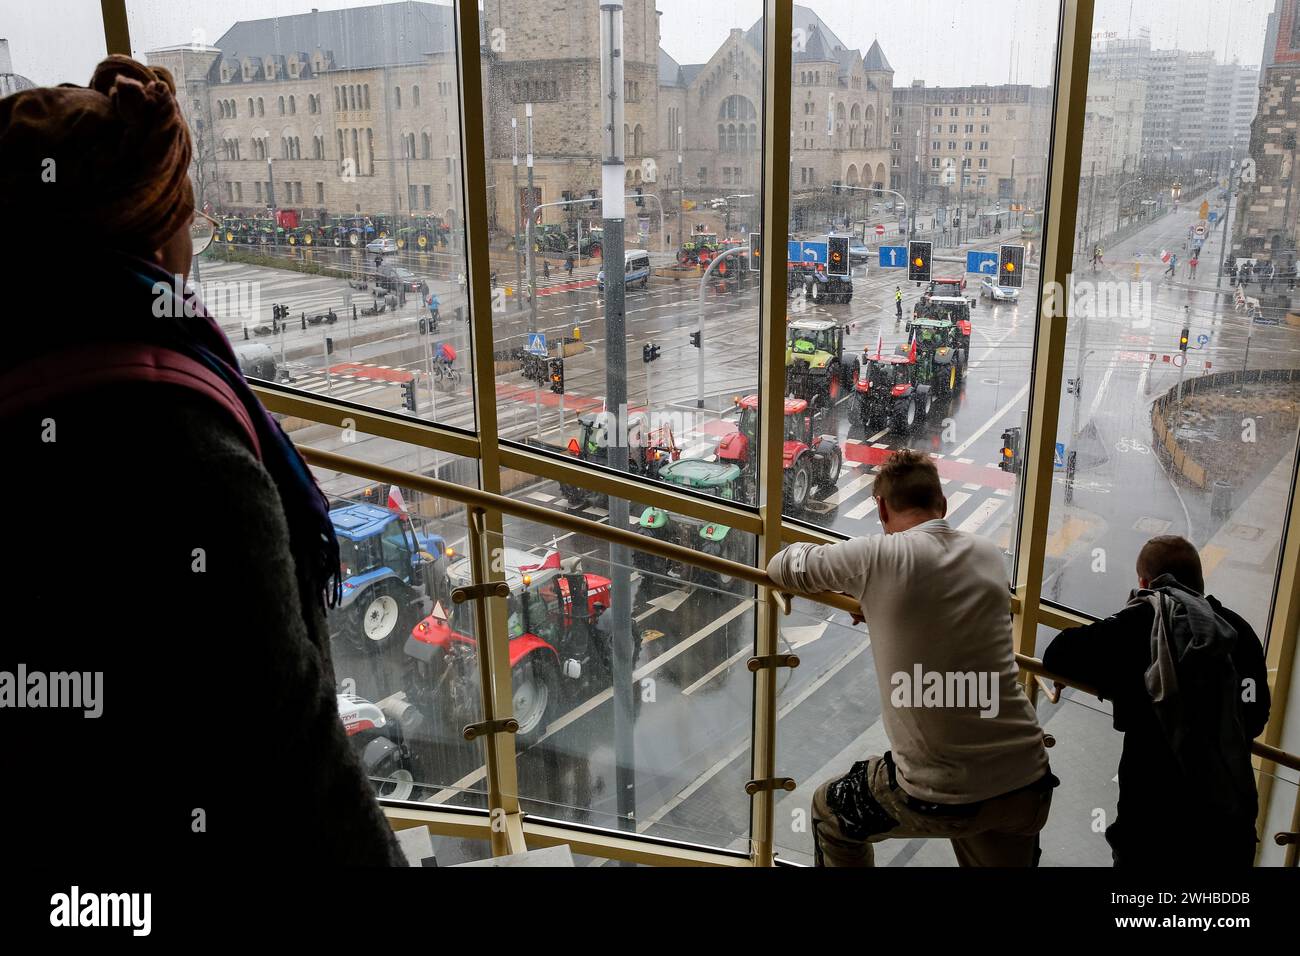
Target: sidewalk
(1240, 560)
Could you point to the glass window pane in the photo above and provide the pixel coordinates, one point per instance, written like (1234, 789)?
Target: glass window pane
(675, 212)
(1178, 415)
(347, 286)
(875, 362)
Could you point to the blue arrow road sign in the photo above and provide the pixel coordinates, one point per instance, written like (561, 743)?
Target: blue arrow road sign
(794, 251)
(893, 257)
(1202, 339)
(1214, 217)
(806, 252)
(537, 343)
(984, 263)
(1058, 460)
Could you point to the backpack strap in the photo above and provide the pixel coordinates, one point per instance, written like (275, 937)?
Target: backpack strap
(83, 368)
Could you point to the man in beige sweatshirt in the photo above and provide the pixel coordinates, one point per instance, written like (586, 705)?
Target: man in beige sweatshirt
(967, 762)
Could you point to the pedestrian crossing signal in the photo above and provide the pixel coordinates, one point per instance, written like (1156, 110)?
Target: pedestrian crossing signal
(837, 256)
(408, 396)
(556, 371)
(755, 251)
(918, 260)
(1011, 266)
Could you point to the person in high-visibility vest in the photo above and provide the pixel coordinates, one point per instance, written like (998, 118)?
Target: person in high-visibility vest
(898, 304)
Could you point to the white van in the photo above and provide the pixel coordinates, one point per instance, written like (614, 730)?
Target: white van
(636, 268)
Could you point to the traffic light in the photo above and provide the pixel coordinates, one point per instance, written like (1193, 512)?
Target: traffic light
(755, 251)
(408, 395)
(595, 200)
(555, 368)
(1009, 459)
(1183, 338)
(1011, 266)
(640, 199)
(695, 339)
(918, 260)
(649, 353)
(837, 255)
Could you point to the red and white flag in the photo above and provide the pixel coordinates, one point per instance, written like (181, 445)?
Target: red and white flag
(911, 352)
(395, 500)
(880, 345)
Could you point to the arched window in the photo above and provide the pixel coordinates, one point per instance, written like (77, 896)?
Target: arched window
(356, 151)
(415, 96)
(424, 145)
(627, 139)
(397, 97)
(261, 111)
(370, 152)
(722, 137)
(731, 137)
(339, 136)
(293, 106)
(855, 114)
(281, 105)
(250, 106)
(839, 112)
(636, 140)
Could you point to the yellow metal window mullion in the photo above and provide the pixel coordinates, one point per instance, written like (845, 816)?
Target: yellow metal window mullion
(777, 31)
(117, 35)
(1284, 621)
(503, 777)
(1074, 42)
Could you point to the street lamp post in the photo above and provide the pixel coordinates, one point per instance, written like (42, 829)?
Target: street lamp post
(916, 186)
(681, 189)
(613, 181)
(532, 272)
(519, 253)
(1223, 250)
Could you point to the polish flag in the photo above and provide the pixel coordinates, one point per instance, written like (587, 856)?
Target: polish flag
(395, 500)
(911, 353)
(880, 345)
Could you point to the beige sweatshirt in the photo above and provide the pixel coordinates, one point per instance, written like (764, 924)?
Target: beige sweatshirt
(936, 605)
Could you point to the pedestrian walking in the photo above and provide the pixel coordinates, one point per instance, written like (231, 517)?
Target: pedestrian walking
(568, 266)
(546, 268)
(1173, 265)
(1193, 264)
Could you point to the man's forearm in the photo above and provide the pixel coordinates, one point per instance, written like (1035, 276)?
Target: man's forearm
(828, 567)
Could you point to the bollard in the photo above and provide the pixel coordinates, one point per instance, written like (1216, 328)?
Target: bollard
(354, 313)
(304, 321)
(459, 311)
(329, 345)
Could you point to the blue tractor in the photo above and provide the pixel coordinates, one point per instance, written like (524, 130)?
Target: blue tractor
(386, 564)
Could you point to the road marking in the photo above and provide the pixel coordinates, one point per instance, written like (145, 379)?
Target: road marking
(733, 659)
(851, 489)
(862, 510)
(980, 516)
(685, 793)
(474, 776)
(995, 417)
(542, 497)
(956, 500)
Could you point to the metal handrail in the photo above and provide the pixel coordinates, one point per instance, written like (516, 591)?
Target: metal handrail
(475, 497)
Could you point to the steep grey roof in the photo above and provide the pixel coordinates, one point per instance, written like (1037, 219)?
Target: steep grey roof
(875, 61)
(388, 34)
(690, 71)
(669, 69)
(821, 42)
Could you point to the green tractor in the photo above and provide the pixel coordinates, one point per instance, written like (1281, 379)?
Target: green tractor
(941, 340)
(721, 479)
(418, 234)
(817, 368)
(306, 234)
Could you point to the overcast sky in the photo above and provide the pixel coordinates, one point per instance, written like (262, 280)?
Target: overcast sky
(944, 42)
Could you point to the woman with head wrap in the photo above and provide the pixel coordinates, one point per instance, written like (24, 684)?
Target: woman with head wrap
(166, 545)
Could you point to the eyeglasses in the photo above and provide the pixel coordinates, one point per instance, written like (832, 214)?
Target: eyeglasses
(202, 229)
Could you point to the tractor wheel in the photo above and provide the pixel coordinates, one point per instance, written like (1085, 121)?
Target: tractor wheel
(535, 693)
(401, 242)
(797, 485)
(396, 782)
(829, 476)
(923, 412)
(354, 239)
(422, 240)
(307, 239)
(338, 241)
(905, 417)
(834, 384)
(293, 240)
(380, 618)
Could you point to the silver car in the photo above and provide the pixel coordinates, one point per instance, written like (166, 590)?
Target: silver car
(998, 293)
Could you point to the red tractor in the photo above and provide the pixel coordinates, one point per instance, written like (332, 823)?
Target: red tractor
(811, 463)
(556, 635)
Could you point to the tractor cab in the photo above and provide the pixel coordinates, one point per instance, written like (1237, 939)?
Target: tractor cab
(813, 340)
(955, 309)
(887, 374)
